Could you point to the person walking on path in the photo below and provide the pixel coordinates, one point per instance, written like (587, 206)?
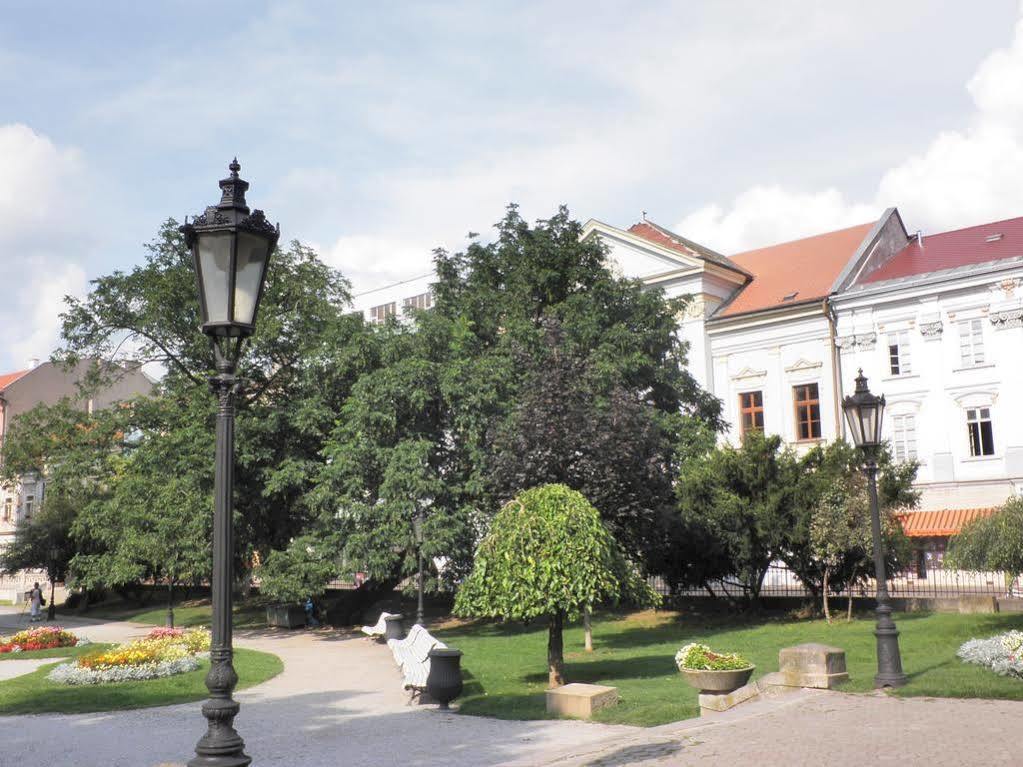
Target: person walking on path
(36, 599)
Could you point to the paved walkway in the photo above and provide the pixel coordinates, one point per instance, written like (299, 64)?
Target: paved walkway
(338, 702)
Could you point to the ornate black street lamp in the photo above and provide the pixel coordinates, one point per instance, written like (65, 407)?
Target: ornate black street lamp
(231, 249)
(864, 413)
(418, 524)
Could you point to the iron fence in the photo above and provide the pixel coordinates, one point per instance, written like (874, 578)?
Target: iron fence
(780, 581)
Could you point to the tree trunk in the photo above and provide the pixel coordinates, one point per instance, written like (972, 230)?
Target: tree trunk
(827, 608)
(848, 607)
(587, 630)
(555, 652)
(170, 604)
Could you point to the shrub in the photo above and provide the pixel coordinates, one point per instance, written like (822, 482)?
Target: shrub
(1003, 653)
(699, 657)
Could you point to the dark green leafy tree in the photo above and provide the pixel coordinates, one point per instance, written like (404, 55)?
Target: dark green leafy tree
(453, 387)
(154, 520)
(607, 443)
(43, 542)
(822, 471)
(991, 544)
(73, 450)
(298, 368)
(737, 501)
(549, 555)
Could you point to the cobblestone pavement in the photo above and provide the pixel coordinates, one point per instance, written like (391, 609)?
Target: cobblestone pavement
(339, 702)
(825, 728)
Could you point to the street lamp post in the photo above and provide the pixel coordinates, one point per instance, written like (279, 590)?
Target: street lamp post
(231, 249)
(51, 608)
(418, 524)
(864, 413)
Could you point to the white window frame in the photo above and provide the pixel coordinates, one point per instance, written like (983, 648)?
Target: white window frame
(30, 502)
(8, 509)
(420, 301)
(971, 342)
(904, 436)
(979, 415)
(380, 314)
(901, 362)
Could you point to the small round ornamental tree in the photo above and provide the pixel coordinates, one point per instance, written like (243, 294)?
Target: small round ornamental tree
(549, 555)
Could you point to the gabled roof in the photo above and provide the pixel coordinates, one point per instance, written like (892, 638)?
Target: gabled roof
(922, 524)
(6, 379)
(652, 232)
(949, 250)
(794, 272)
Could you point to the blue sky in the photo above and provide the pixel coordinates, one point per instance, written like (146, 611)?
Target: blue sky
(378, 131)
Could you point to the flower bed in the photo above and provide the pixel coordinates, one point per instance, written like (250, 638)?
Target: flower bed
(1003, 653)
(699, 657)
(42, 638)
(162, 653)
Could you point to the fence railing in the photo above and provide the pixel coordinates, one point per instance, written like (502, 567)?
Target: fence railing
(780, 581)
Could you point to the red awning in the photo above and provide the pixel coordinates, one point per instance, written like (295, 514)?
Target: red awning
(922, 524)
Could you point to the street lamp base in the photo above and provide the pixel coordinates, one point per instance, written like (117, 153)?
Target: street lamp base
(890, 680)
(233, 760)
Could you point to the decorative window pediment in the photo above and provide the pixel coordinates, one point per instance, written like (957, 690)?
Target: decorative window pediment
(748, 373)
(804, 366)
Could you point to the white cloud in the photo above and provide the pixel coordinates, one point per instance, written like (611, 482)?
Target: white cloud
(766, 214)
(38, 220)
(962, 177)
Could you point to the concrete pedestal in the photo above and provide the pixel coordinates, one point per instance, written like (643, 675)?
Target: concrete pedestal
(812, 665)
(580, 700)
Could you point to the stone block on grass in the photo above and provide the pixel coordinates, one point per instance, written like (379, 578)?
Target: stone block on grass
(812, 665)
(580, 700)
(729, 699)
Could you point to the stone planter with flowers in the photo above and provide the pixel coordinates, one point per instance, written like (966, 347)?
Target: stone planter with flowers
(713, 673)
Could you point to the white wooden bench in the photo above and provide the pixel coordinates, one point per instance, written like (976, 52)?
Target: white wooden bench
(376, 631)
(412, 654)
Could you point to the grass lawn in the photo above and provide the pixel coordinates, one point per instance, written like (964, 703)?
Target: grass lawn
(504, 666)
(56, 652)
(251, 614)
(34, 694)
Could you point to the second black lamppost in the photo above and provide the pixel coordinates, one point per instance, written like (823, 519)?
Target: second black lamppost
(231, 248)
(864, 413)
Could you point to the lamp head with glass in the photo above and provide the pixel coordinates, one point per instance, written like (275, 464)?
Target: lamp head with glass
(231, 248)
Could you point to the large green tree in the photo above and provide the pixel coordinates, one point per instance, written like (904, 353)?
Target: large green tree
(991, 544)
(549, 555)
(456, 389)
(738, 502)
(74, 451)
(297, 369)
(825, 469)
(154, 520)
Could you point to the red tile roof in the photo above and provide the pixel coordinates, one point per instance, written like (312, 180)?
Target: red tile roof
(652, 232)
(920, 524)
(6, 379)
(960, 247)
(796, 271)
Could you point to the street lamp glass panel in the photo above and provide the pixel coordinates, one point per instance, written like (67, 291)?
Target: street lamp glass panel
(852, 417)
(214, 266)
(252, 261)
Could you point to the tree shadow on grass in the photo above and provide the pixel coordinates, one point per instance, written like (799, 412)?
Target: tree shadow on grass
(606, 669)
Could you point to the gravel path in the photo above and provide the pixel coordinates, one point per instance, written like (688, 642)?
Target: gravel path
(339, 703)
